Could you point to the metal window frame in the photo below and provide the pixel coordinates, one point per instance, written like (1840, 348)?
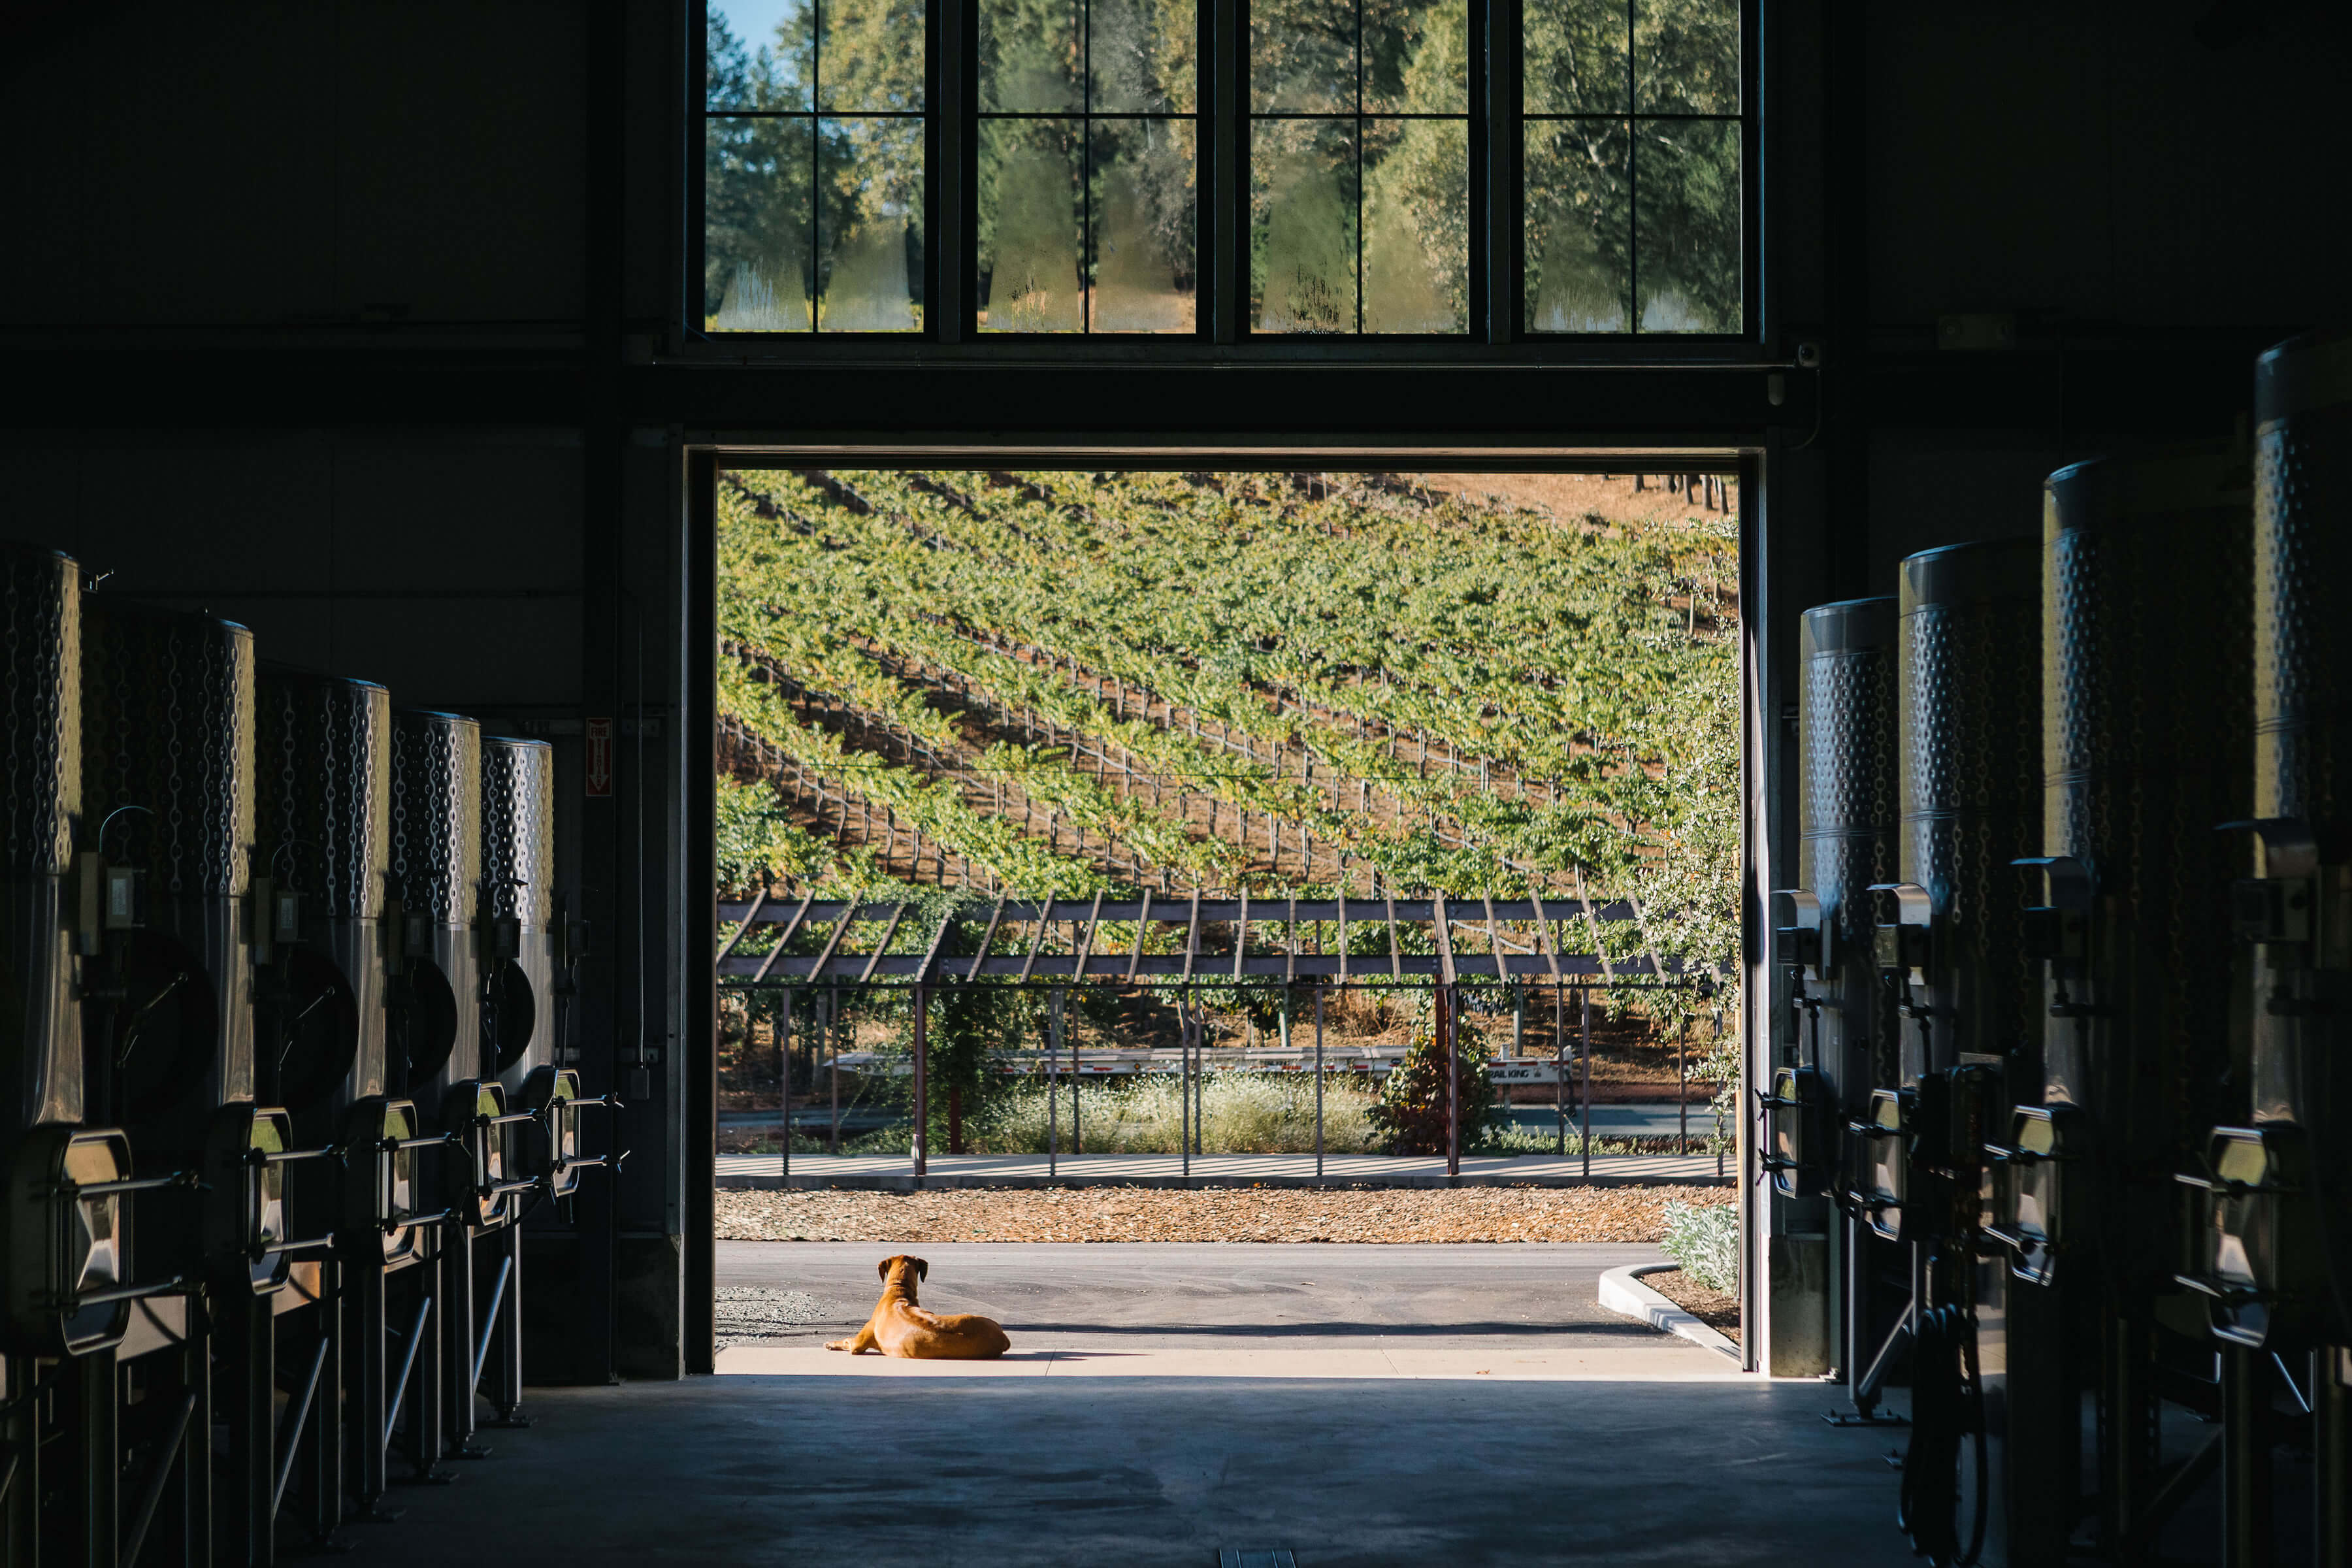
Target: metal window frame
(1223, 122)
(1633, 119)
(1086, 117)
(936, 104)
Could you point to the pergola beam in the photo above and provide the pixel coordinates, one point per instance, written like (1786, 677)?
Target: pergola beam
(1093, 954)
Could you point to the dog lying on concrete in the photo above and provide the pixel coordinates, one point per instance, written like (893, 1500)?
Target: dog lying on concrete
(900, 1327)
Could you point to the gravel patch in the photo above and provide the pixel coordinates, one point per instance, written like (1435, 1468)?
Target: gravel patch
(1713, 1308)
(757, 1313)
(1236, 1213)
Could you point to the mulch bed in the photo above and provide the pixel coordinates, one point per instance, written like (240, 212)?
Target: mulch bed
(1713, 1308)
(1234, 1213)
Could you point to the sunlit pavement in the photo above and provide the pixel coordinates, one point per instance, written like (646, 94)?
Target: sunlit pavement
(1324, 1398)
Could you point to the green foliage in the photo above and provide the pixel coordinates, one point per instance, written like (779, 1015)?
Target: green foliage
(1704, 1239)
(1583, 227)
(1410, 1114)
(1034, 196)
(1242, 1113)
(787, 201)
(758, 841)
(1584, 675)
(967, 1024)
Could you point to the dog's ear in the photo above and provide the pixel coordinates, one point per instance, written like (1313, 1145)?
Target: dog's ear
(883, 1268)
(922, 1270)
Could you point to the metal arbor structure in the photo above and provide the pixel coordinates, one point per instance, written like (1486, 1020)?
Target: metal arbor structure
(1437, 942)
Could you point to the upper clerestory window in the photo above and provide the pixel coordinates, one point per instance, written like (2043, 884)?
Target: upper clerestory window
(1360, 168)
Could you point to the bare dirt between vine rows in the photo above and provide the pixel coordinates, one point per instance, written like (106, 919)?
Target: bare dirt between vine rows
(1224, 1214)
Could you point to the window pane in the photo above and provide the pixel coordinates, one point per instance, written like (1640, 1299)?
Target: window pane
(1686, 57)
(756, 54)
(1575, 57)
(1416, 225)
(1416, 57)
(870, 229)
(1144, 56)
(1145, 192)
(757, 179)
(870, 54)
(1031, 56)
(1303, 226)
(1303, 57)
(1579, 269)
(1686, 225)
(1031, 226)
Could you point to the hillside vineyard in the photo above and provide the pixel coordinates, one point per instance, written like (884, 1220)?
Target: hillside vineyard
(1064, 683)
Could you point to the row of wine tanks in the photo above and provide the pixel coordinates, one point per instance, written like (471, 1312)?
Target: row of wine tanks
(2064, 995)
(282, 991)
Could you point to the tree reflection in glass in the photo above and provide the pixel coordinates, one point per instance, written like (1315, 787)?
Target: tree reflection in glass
(1360, 156)
(1631, 220)
(813, 218)
(1085, 160)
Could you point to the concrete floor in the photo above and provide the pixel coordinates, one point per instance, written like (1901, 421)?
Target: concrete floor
(1408, 1405)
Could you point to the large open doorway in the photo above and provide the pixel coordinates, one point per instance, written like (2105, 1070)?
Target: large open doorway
(1195, 826)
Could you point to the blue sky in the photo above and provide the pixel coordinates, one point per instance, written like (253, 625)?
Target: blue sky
(754, 21)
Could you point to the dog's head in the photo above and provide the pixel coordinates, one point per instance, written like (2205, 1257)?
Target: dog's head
(903, 1272)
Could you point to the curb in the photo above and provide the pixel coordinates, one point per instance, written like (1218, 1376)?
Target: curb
(1622, 1292)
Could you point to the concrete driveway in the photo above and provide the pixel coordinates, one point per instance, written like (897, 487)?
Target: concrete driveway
(1656, 1453)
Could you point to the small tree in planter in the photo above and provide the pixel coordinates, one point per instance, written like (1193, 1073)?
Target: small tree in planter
(1410, 1110)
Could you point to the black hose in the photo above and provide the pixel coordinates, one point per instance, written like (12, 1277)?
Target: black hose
(1946, 1406)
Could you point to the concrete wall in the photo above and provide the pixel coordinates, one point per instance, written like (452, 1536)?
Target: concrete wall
(296, 295)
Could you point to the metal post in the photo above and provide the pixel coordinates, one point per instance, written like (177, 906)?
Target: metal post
(324, 1498)
(922, 1081)
(1321, 986)
(2245, 1459)
(784, 1076)
(367, 1374)
(1584, 1070)
(1052, 1084)
(833, 1042)
(1448, 1047)
(1199, 1080)
(1559, 1062)
(1184, 1079)
(507, 1317)
(2331, 1443)
(1682, 1087)
(425, 1415)
(84, 1515)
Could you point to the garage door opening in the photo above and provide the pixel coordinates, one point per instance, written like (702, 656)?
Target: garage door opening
(1313, 831)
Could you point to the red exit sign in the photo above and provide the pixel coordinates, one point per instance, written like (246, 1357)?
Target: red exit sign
(600, 758)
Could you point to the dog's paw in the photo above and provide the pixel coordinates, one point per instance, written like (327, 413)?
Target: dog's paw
(837, 1344)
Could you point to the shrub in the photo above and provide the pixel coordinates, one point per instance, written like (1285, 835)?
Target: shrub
(1412, 1110)
(1242, 1113)
(1704, 1239)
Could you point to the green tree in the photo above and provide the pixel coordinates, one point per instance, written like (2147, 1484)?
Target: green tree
(1584, 223)
(1411, 1108)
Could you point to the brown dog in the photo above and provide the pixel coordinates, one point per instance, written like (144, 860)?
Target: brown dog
(901, 1328)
